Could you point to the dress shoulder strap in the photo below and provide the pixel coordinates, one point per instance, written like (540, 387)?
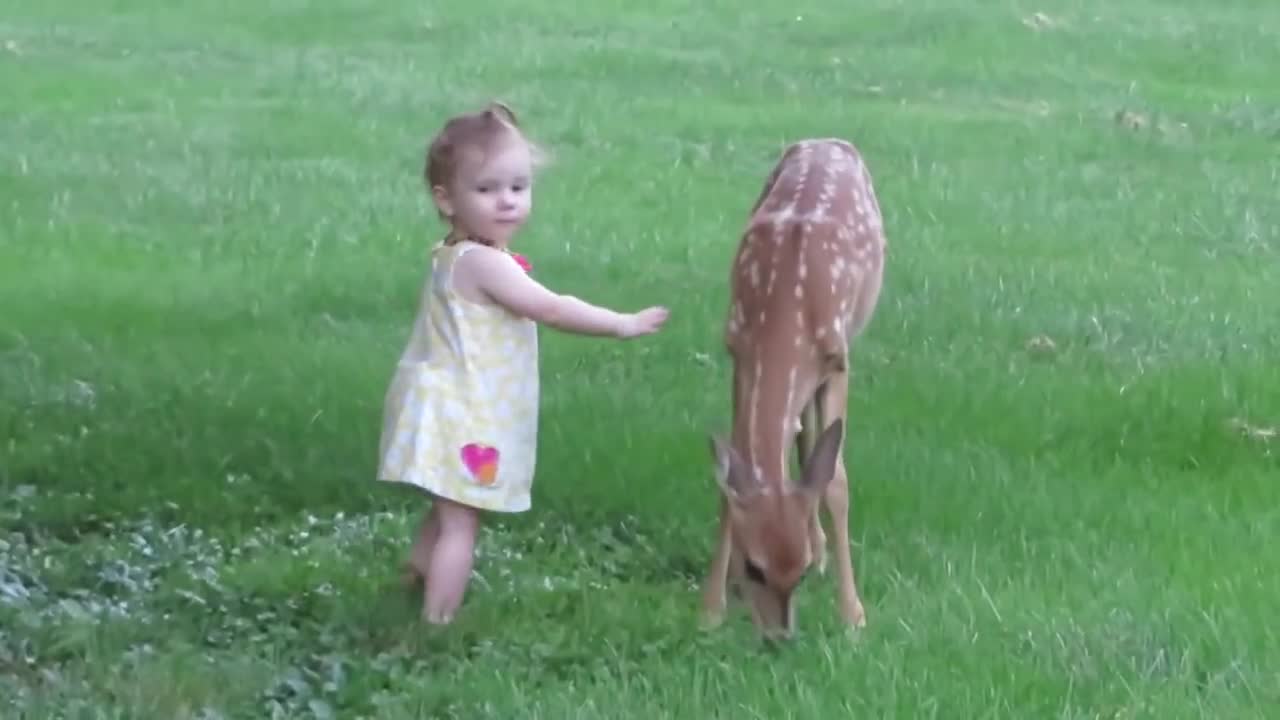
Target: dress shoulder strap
(453, 253)
(464, 247)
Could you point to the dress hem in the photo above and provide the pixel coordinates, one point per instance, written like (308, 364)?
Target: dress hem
(505, 509)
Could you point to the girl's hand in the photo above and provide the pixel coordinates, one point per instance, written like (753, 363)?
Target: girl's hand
(645, 322)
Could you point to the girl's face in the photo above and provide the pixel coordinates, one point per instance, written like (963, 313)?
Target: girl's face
(491, 195)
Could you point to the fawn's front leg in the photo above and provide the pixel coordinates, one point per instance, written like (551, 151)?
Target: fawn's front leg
(834, 401)
(818, 540)
(809, 429)
(713, 591)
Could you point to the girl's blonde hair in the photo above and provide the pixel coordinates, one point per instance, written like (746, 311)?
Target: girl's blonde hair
(476, 131)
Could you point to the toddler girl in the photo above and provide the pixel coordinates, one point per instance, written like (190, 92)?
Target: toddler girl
(461, 412)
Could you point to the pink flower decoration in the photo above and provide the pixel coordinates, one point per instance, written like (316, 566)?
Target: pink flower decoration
(522, 261)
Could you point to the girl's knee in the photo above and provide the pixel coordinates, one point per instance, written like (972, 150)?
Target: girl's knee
(456, 517)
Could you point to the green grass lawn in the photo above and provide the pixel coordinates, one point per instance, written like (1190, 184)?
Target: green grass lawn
(212, 233)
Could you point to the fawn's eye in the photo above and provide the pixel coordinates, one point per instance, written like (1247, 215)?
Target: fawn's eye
(754, 573)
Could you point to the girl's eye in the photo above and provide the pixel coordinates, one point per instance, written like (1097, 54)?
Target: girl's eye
(754, 573)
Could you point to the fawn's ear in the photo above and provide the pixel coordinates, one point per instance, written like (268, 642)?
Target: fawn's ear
(820, 466)
(735, 479)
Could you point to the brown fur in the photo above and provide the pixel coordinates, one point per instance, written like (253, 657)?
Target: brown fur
(805, 283)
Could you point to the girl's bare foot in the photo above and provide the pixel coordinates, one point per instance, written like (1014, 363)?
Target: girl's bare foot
(435, 620)
(412, 578)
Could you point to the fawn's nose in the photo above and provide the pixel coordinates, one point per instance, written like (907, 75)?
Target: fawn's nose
(777, 634)
(783, 628)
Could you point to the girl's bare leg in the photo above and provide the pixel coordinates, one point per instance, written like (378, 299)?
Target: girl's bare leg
(419, 564)
(451, 557)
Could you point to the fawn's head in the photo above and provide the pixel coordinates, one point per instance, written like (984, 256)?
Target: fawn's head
(769, 520)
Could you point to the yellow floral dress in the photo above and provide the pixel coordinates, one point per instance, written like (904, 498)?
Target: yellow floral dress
(460, 417)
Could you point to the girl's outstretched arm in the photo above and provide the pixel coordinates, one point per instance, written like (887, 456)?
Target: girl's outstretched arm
(497, 276)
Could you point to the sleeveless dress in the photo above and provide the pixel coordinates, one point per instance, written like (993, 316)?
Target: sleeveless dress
(460, 417)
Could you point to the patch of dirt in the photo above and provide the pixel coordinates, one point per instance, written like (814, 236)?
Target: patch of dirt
(1042, 346)
(1039, 21)
(1166, 128)
(1132, 120)
(1254, 432)
(1039, 108)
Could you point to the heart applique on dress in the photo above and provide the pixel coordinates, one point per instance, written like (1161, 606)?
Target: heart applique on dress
(482, 461)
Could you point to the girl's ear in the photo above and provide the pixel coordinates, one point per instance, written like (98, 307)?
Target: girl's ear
(443, 202)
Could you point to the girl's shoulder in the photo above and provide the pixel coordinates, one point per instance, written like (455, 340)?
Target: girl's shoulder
(465, 267)
(445, 256)
(487, 254)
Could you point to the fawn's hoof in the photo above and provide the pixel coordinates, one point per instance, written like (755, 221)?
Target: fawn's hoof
(710, 619)
(856, 616)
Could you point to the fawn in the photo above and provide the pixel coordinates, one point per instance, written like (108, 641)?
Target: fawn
(805, 281)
